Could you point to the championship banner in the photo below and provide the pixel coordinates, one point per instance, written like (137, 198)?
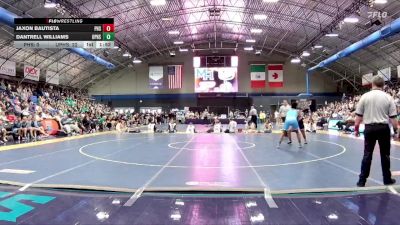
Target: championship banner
(385, 73)
(7, 67)
(156, 77)
(31, 73)
(367, 79)
(398, 71)
(257, 74)
(52, 77)
(275, 75)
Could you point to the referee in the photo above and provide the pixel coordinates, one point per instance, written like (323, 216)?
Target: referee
(253, 114)
(376, 109)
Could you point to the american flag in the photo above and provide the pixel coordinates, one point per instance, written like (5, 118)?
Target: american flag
(174, 76)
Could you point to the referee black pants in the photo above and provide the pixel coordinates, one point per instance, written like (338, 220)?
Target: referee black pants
(373, 133)
(254, 119)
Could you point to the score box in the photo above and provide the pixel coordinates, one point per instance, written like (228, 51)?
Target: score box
(108, 27)
(108, 36)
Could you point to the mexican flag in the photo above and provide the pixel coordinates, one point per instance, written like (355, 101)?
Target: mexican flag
(257, 73)
(275, 75)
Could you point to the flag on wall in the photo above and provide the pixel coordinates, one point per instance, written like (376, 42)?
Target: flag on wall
(257, 74)
(275, 75)
(156, 77)
(174, 76)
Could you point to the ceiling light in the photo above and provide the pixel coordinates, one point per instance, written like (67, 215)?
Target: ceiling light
(380, 1)
(332, 35)
(116, 47)
(251, 204)
(295, 60)
(260, 17)
(305, 54)
(126, 54)
(318, 46)
(136, 61)
(248, 48)
(333, 216)
(351, 20)
(172, 53)
(49, 4)
(102, 215)
(175, 216)
(257, 218)
(157, 2)
(166, 19)
(256, 31)
(183, 50)
(271, 1)
(179, 202)
(258, 52)
(250, 41)
(178, 42)
(173, 32)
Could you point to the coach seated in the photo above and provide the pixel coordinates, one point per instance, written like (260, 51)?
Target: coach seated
(69, 125)
(217, 128)
(3, 132)
(232, 126)
(268, 126)
(121, 126)
(172, 126)
(191, 129)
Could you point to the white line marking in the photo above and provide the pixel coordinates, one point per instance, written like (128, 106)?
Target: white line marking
(37, 156)
(346, 169)
(138, 193)
(217, 167)
(396, 173)
(394, 158)
(391, 189)
(171, 145)
(70, 169)
(16, 171)
(267, 191)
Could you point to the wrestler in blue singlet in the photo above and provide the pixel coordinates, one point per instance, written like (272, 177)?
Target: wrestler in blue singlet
(291, 120)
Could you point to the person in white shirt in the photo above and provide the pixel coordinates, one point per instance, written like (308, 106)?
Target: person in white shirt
(285, 107)
(172, 126)
(191, 129)
(151, 127)
(217, 126)
(121, 127)
(276, 116)
(232, 127)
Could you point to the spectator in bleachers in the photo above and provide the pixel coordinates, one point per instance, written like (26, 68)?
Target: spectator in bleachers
(3, 132)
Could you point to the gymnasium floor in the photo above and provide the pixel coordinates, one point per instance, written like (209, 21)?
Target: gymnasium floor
(244, 167)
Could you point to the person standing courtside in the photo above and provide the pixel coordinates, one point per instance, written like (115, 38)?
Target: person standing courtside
(376, 109)
(253, 114)
(285, 107)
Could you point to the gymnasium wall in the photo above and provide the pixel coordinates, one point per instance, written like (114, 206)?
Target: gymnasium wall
(129, 87)
(134, 81)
